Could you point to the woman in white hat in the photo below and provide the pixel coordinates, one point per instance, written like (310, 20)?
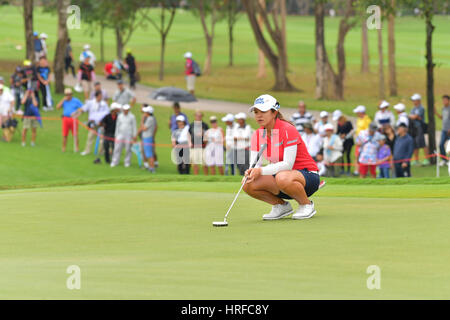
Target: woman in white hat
(332, 150)
(242, 135)
(291, 174)
(214, 137)
(180, 143)
(384, 116)
(319, 126)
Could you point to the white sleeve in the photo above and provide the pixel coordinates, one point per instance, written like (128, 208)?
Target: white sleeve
(290, 153)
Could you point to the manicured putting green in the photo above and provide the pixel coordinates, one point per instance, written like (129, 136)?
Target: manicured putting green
(145, 240)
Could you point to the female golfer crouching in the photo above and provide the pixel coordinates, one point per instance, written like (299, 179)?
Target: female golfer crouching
(291, 174)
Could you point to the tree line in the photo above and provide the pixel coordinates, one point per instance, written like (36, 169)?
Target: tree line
(267, 19)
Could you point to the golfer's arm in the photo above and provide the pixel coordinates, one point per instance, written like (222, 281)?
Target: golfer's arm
(289, 156)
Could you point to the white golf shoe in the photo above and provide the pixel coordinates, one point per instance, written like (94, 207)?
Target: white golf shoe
(304, 211)
(279, 211)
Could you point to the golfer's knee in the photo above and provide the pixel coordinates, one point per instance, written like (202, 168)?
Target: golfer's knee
(283, 180)
(248, 187)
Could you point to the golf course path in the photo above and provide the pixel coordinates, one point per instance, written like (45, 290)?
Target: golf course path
(142, 93)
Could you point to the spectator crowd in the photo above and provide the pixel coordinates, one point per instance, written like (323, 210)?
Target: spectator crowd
(385, 146)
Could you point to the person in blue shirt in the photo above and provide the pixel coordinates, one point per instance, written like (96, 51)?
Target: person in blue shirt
(30, 104)
(70, 105)
(38, 48)
(177, 111)
(43, 75)
(403, 151)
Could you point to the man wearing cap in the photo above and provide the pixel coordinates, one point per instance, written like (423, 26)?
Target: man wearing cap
(417, 116)
(38, 48)
(403, 151)
(197, 142)
(109, 126)
(301, 117)
(97, 109)
(30, 120)
(242, 135)
(319, 126)
(312, 140)
(124, 95)
(125, 135)
(332, 150)
(176, 112)
(6, 109)
(384, 115)
(445, 117)
(402, 115)
(230, 157)
(147, 132)
(367, 140)
(87, 52)
(86, 76)
(180, 143)
(98, 87)
(70, 105)
(189, 72)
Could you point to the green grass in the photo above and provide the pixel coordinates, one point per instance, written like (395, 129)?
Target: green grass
(239, 83)
(129, 243)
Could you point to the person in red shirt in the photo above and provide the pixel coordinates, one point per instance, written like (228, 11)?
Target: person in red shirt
(189, 72)
(292, 172)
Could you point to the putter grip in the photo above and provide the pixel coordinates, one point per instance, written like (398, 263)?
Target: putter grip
(263, 147)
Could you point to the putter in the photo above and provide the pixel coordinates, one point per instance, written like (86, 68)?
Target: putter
(224, 223)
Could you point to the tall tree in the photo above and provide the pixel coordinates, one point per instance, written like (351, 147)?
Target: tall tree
(28, 21)
(58, 62)
(381, 89)
(233, 8)
(277, 60)
(321, 53)
(170, 8)
(338, 77)
(391, 50)
(365, 55)
(261, 58)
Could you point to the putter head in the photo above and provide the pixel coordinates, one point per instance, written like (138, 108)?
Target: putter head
(220, 224)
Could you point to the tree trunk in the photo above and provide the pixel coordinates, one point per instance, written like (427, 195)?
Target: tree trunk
(209, 36)
(381, 91)
(58, 63)
(365, 64)
(430, 84)
(261, 59)
(282, 4)
(102, 42)
(28, 20)
(161, 61)
(391, 53)
(321, 55)
(230, 34)
(208, 61)
(119, 43)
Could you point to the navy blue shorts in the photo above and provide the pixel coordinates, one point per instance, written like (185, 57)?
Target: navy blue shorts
(312, 184)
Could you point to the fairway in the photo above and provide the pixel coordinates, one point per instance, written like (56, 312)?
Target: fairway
(156, 241)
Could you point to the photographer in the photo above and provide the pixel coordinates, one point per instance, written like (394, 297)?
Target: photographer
(30, 120)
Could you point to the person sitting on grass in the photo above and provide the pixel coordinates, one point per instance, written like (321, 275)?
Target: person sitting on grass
(367, 141)
(332, 150)
(383, 157)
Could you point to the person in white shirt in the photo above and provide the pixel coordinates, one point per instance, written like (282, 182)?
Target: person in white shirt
(242, 135)
(319, 126)
(312, 140)
(301, 117)
(6, 107)
(332, 149)
(402, 115)
(214, 137)
(125, 136)
(97, 109)
(230, 157)
(180, 144)
(384, 115)
(44, 37)
(87, 49)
